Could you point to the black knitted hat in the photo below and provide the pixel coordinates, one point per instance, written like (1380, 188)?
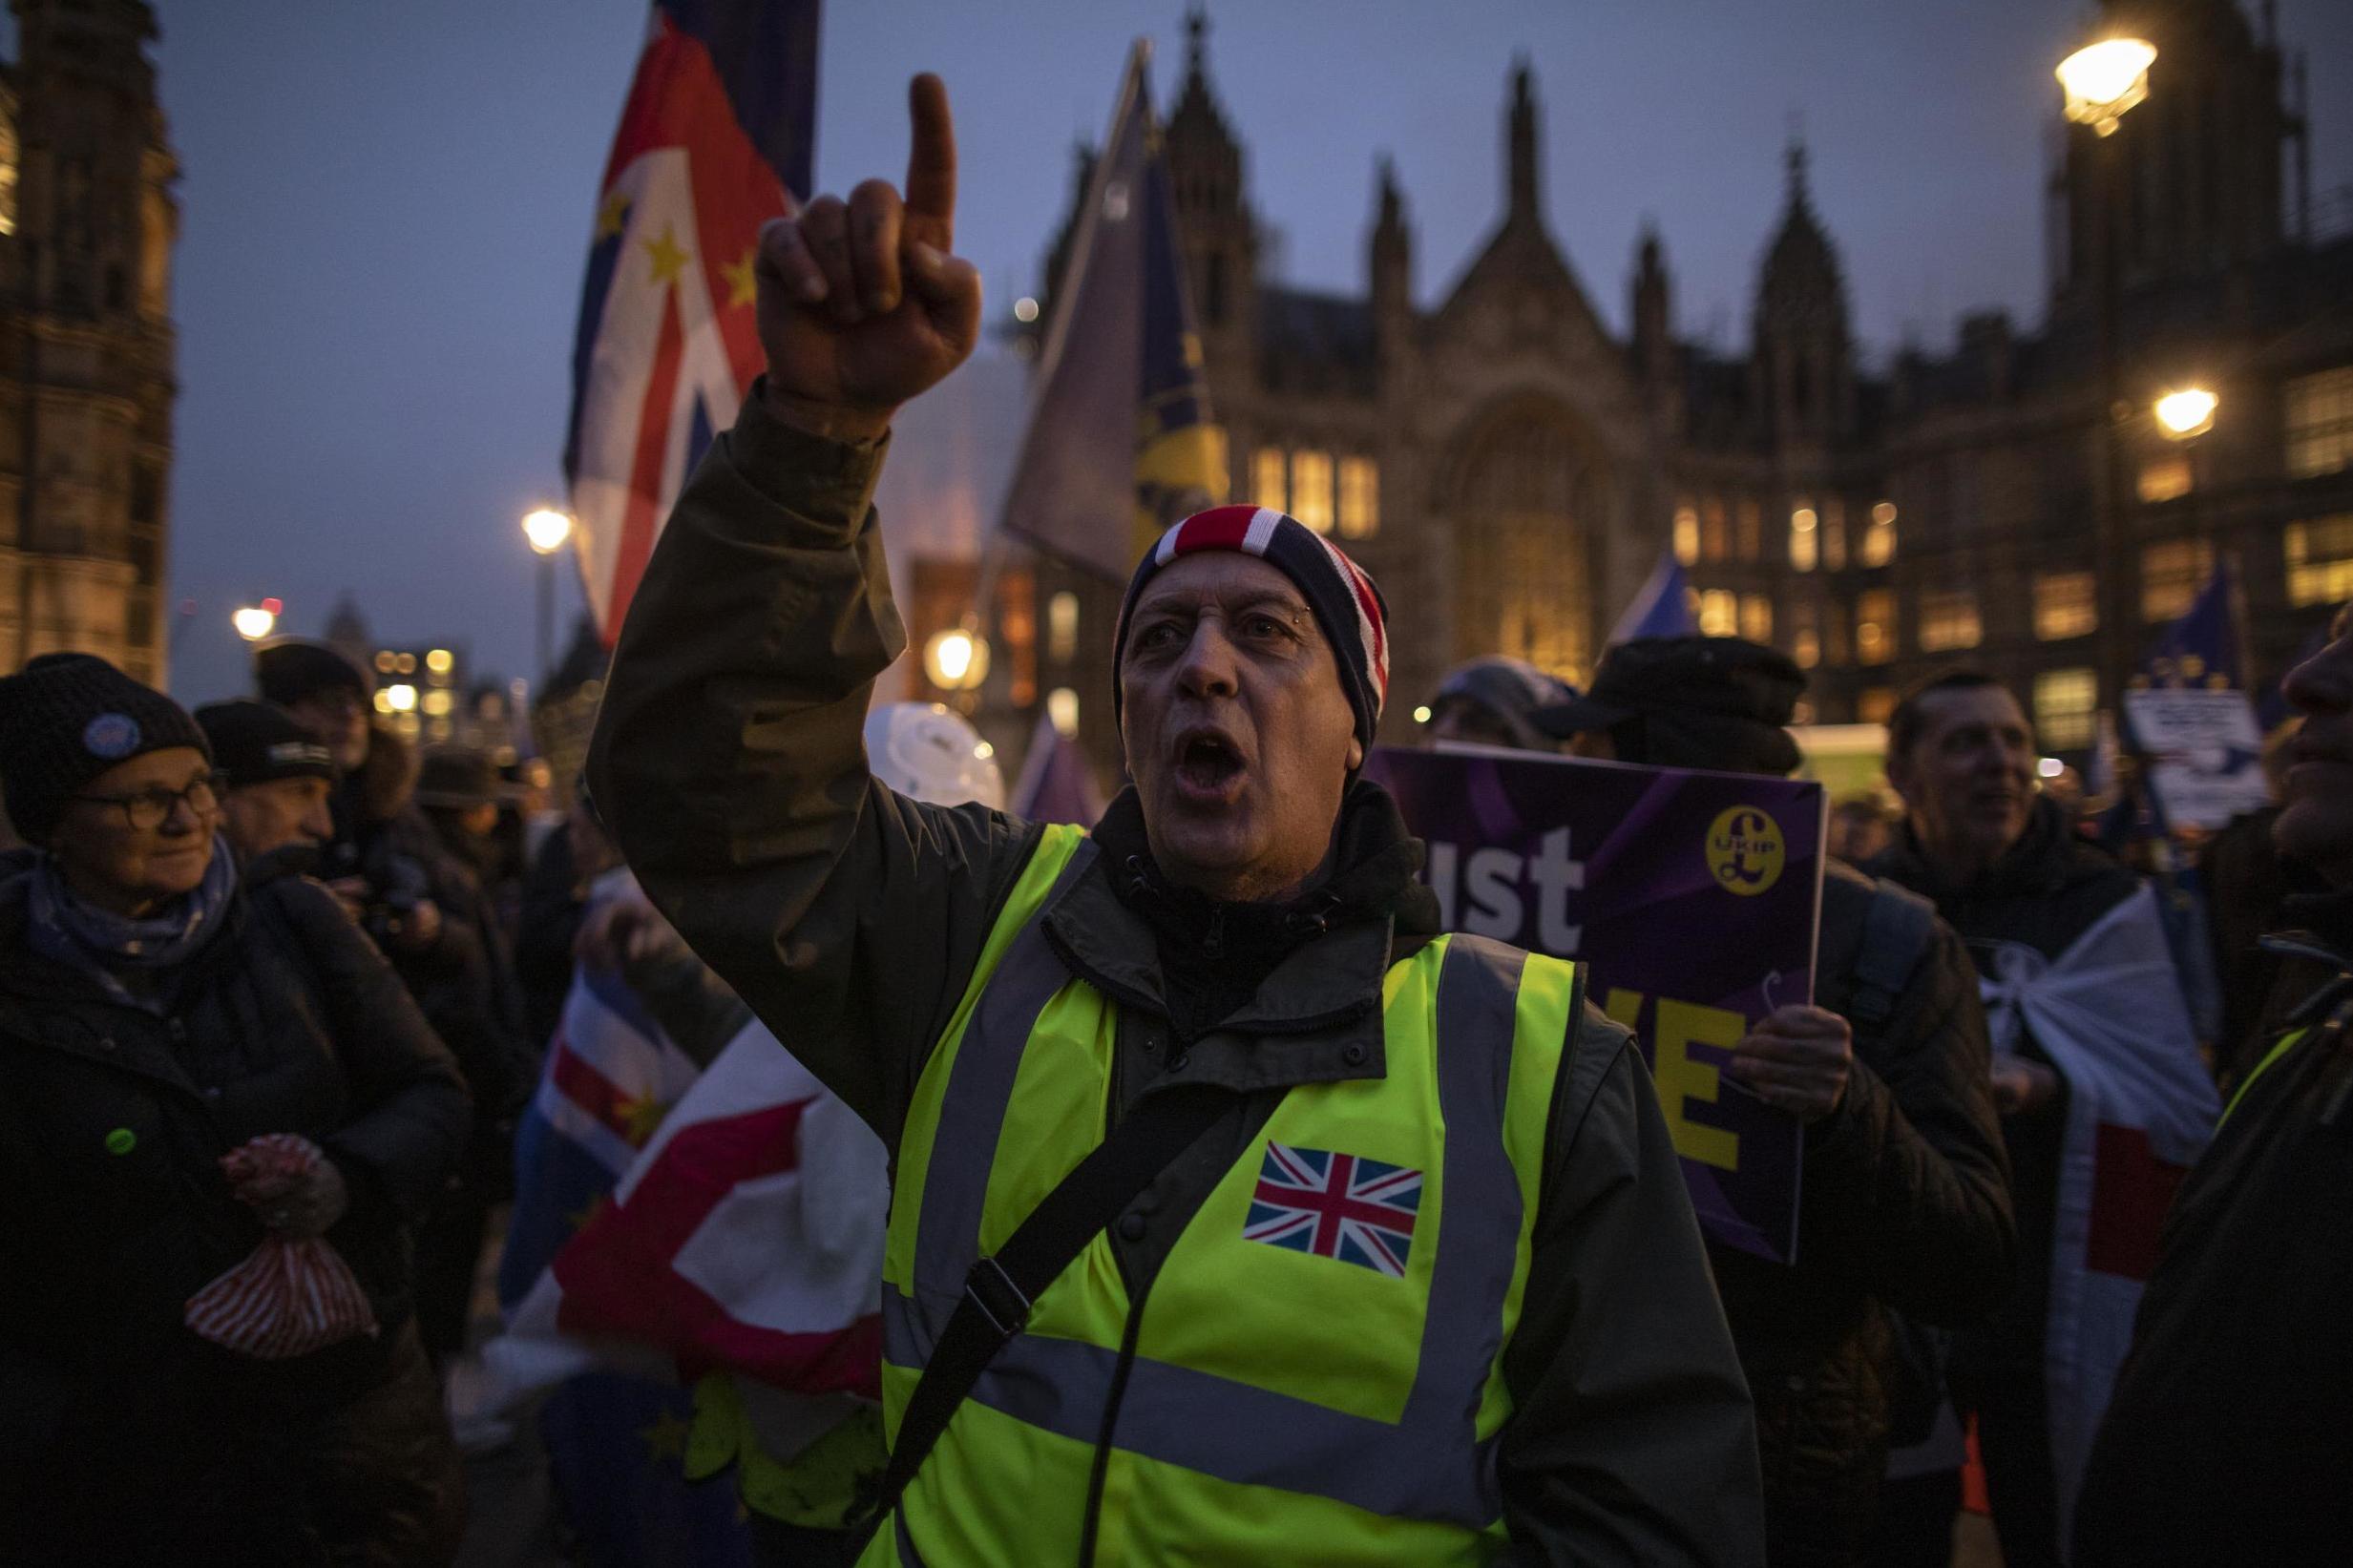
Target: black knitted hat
(1702, 701)
(67, 718)
(287, 669)
(257, 742)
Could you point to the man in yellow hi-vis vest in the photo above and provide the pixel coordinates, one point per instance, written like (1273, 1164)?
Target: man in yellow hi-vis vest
(1418, 1284)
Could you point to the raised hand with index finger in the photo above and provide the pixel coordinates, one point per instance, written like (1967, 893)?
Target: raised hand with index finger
(862, 303)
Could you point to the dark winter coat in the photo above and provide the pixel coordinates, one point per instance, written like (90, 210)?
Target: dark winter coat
(2045, 893)
(1904, 1207)
(2229, 1438)
(384, 839)
(112, 1207)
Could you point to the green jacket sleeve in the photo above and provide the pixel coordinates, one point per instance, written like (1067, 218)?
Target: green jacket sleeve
(1632, 1439)
(728, 764)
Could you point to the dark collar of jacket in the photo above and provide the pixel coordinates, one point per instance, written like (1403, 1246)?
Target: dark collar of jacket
(2070, 883)
(1313, 1012)
(2322, 933)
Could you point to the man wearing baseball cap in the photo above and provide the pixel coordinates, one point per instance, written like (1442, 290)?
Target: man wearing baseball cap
(1240, 1216)
(278, 774)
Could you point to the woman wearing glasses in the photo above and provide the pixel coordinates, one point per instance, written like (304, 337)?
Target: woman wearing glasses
(155, 1017)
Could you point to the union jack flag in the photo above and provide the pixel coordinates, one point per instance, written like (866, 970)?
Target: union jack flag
(714, 141)
(1335, 1205)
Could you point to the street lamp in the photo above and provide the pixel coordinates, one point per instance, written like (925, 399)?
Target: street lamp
(2187, 413)
(2105, 79)
(957, 659)
(256, 621)
(548, 531)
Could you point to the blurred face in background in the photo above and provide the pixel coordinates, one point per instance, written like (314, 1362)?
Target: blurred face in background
(139, 834)
(1968, 781)
(276, 812)
(2316, 817)
(338, 717)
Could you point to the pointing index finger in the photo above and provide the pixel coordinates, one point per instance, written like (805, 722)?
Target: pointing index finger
(931, 165)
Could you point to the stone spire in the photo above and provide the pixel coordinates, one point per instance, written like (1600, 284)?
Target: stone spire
(1525, 192)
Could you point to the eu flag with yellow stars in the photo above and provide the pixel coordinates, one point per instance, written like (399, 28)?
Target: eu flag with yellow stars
(1120, 440)
(715, 137)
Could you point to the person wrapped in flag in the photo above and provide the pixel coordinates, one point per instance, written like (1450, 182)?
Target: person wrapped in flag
(1081, 1046)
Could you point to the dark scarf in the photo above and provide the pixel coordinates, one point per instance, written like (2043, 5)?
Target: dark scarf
(118, 950)
(1214, 955)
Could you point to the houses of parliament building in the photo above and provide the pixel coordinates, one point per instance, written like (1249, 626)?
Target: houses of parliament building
(87, 221)
(1511, 469)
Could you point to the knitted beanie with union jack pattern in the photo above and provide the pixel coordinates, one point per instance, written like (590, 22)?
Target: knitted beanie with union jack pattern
(1346, 604)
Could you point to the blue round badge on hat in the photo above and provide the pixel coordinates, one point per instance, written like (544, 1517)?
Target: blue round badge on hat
(112, 736)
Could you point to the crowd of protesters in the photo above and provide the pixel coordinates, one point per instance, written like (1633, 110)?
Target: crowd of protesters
(274, 987)
(272, 918)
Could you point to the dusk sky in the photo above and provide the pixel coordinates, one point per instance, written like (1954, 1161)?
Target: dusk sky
(385, 210)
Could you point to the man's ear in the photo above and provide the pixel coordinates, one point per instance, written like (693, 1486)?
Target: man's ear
(1901, 777)
(1355, 755)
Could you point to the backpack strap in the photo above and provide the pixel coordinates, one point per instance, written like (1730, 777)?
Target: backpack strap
(1896, 928)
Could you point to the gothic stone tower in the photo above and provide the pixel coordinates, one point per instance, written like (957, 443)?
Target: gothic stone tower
(87, 225)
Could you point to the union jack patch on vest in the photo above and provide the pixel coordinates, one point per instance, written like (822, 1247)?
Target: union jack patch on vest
(1335, 1205)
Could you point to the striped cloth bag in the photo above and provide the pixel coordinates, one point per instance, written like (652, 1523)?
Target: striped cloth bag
(290, 1296)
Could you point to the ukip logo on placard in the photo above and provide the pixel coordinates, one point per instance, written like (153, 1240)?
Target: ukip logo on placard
(1335, 1205)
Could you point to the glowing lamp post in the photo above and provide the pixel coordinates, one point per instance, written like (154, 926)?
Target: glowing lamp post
(547, 531)
(2186, 414)
(256, 621)
(2103, 80)
(956, 660)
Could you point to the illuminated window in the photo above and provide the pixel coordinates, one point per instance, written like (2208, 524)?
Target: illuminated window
(1719, 613)
(1756, 617)
(1752, 530)
(1949, 620)
(1715, 532)
(1805, 537)
(1063, 626)
(1873, 704)
(2166, 478)
(1360, 497)
(8, 173)
(1063, 707)
(2319, 560)
(2319, 423)
(1874, 626)
(2066, 604)
(2065, 708)
(1805, 640)
(1310, 488)
(2171, 575)
(1267, 486)
(1687, 534)
(1879, 539)
(1833, 534)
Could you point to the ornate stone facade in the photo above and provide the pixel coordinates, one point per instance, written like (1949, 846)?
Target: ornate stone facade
(87, 221)
(1510, 469)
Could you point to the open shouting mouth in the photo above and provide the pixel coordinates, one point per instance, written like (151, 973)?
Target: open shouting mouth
(1210, 765)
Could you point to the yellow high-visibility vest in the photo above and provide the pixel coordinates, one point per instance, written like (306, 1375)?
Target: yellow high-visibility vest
(1310, 1377)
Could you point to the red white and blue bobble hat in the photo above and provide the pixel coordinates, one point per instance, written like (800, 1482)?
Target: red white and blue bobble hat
(1347, 605)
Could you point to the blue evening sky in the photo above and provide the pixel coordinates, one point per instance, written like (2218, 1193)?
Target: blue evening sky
(386, 207)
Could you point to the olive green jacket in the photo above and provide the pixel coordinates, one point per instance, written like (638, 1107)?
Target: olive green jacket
(728, 763)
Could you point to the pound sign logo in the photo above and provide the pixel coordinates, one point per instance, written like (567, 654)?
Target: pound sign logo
(1745, 850)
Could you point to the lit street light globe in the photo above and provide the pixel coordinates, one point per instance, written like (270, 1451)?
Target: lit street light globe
(401, 697)
(548, 530)
(956, 660)
(253, 622)
(2186, 414)
(2105, 79)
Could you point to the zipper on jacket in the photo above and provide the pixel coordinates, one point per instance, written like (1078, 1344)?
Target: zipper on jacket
(1110, 1421)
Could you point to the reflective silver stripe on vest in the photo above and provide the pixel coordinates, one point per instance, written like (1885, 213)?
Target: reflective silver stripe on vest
(1429, 1464)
